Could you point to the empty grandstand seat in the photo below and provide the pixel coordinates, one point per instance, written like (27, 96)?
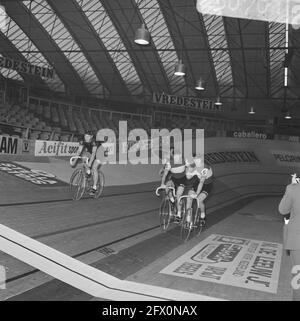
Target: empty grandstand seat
(62, 116)
(55, 117)
(65, 137)
(70, 120)
(32, 107)
(48, 128)
(57, 129)
(24, 133)
(47, 112)
(56, 137)
(45, 135)
(34, 135)
(39, 126)
(39, 110)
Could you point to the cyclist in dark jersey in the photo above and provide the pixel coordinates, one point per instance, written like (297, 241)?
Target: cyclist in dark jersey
(174, 175)
(90, 147)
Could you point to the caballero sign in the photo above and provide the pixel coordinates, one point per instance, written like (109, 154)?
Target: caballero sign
(249, 134)
(189, 102)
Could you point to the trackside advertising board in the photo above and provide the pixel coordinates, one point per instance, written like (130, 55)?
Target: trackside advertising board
(34, 176)
(9, 145)
(286, 158)
(68, 149)
(232, 261)
(54, 148)
(249, 134)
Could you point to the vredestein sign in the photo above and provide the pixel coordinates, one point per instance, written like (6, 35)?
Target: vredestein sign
(189, 102)
(26, 67)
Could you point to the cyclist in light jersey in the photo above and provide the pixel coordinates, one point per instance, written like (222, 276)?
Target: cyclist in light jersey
(174, 176)
(199, 181)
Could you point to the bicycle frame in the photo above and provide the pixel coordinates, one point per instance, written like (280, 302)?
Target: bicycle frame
(84, 169)
(166, 208)
(194, 223)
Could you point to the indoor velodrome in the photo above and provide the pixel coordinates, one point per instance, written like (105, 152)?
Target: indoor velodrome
(149, 150)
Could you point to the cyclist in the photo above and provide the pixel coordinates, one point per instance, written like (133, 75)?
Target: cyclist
(174, 176)
(90, 147)
(199, 181)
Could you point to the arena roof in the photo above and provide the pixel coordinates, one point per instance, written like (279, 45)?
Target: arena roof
(90, 45)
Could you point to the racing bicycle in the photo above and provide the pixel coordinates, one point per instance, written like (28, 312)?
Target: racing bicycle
(191, 220)
(81, 181)
(168, 208)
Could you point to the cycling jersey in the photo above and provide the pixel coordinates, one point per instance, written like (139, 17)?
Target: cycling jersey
(193, 178)
(88, 147)
(176, 165)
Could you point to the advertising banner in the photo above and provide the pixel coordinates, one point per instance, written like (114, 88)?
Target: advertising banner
(232, 261)
(286, 158)
(26, 146)
(231, 157)
(189, 102)
(34, 176)
(54, 148)
(26, 67)
(9, 145)
(249, 134)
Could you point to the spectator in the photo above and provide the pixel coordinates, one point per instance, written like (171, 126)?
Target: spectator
(290, 204)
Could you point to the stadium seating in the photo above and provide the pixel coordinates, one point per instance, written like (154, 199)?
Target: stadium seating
(63, 122)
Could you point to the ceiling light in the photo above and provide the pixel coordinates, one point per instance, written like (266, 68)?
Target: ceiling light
(199, 85)
(218, 102)
(142, 36)
(180, 69)
(288, 116)
(252, 111)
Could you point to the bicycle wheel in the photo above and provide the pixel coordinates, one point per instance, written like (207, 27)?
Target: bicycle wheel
(165, 214)
(186, 227)
(100, 184)
(77, 184)
(198, 226)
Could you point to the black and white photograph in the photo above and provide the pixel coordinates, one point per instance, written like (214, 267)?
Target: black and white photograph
(149, 154)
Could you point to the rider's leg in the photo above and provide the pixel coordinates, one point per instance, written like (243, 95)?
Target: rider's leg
(201, 198)
(189, 203)
(189, 200)
(95, 168)
(179, 192)
(169, 184)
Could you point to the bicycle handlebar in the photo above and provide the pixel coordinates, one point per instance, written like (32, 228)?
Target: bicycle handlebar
(183, 196)
(165, 188)
(84, 159)
(186, 196)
